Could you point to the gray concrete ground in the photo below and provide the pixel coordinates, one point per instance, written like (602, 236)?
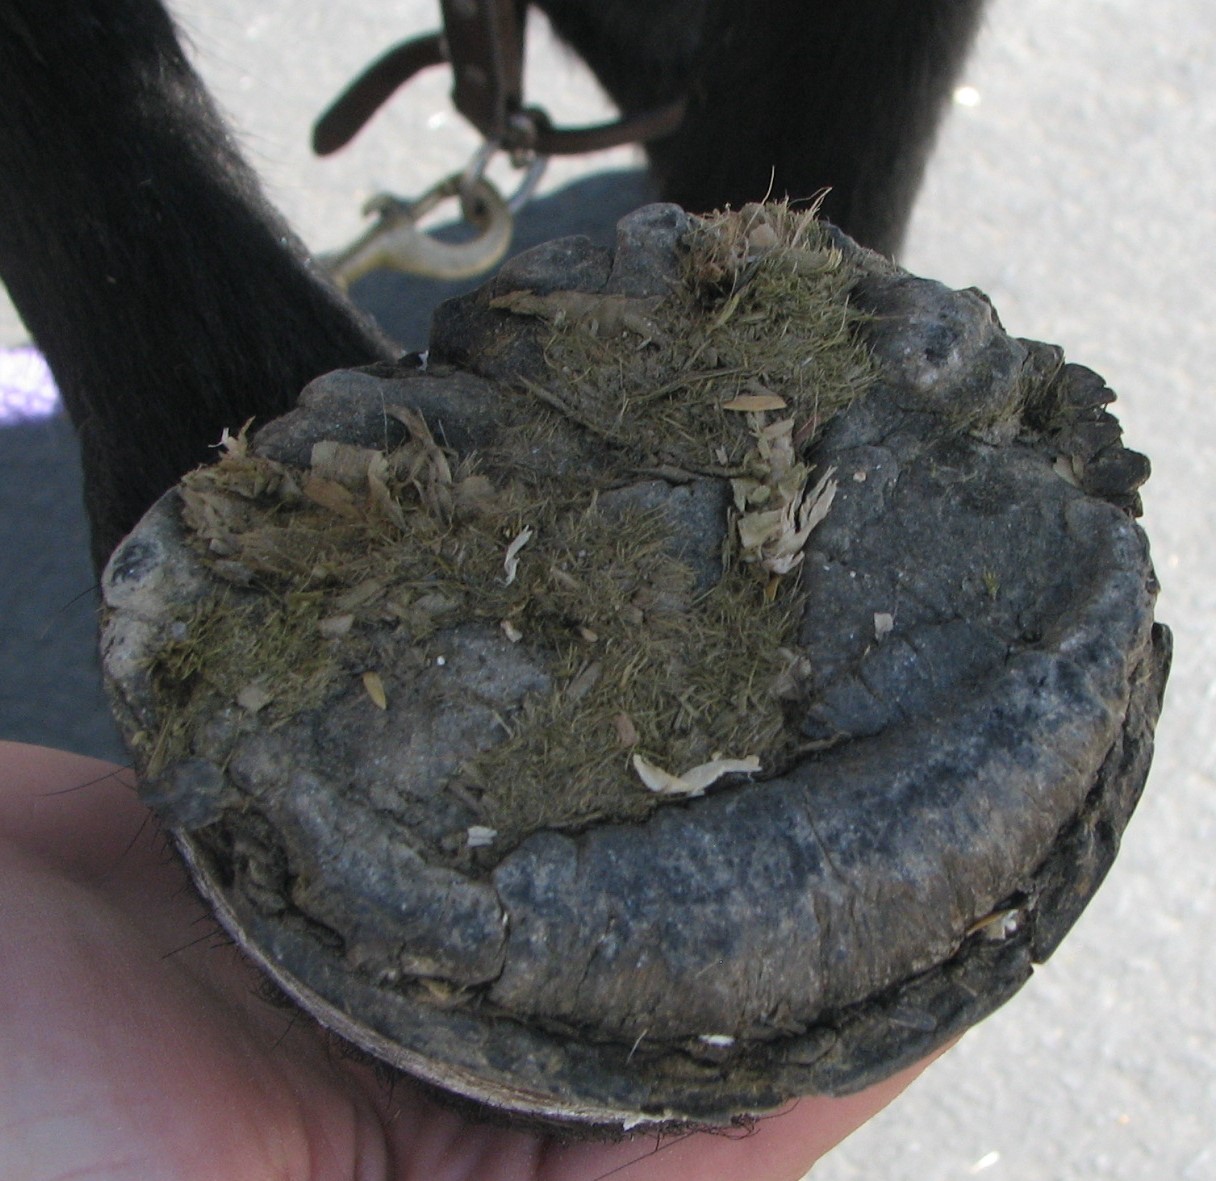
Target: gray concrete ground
(1074, 184)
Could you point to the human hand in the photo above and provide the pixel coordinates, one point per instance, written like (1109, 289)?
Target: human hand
(134, 1043)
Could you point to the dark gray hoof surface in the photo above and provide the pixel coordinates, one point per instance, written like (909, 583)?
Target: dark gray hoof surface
(716, 674)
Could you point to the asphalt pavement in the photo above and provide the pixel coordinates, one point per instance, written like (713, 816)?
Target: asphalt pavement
(1074, 184)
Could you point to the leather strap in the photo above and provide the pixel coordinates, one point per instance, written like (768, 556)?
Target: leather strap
(484, 42)
(486, 48)
(344, 118)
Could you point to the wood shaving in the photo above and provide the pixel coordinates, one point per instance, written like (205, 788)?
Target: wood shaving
(695, 780)
(753, 403)
(343, 463)
(375, 689)
(626, 731)
(511, 561)
(777, 510)
(334, 627)
(254, 697)
(600, 315)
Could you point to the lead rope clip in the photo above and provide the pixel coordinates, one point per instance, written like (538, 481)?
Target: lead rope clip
(397, 241)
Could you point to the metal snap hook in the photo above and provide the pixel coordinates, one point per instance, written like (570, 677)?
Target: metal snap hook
(396, 242)
(531, 163)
